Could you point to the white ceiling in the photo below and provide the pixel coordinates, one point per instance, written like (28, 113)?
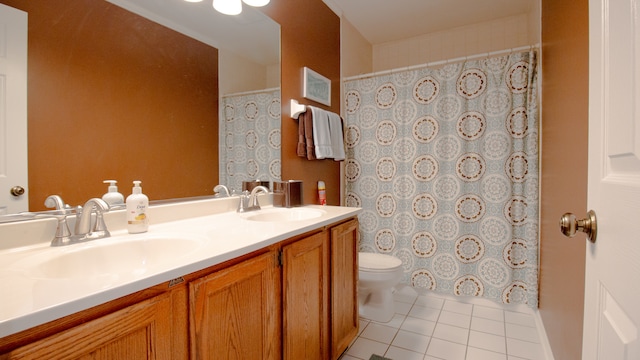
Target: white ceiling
(382, 21)
(256, 37)
(250, 34)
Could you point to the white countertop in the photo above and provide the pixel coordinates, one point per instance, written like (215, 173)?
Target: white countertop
(29, 298)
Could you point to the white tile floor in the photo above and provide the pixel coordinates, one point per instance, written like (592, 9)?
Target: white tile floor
(431, 326)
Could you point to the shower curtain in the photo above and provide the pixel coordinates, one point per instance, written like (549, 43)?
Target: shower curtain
(444, 163)
(250, 132)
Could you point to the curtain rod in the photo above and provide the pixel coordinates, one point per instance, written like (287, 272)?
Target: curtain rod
(252, 92)
(443, 62)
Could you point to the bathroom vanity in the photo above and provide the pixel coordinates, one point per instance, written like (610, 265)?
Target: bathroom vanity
(276, 283)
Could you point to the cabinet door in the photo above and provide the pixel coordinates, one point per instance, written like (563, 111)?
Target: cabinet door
(305, 275)
(344, 286)
(235, 312)
(141, 331)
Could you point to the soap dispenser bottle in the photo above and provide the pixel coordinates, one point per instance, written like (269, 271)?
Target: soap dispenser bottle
(137, 206)
(113, 197)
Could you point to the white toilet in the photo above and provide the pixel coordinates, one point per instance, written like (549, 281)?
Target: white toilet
(378, 274)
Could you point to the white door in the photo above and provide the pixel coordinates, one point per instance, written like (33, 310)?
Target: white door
(13, 110)
(612, 281)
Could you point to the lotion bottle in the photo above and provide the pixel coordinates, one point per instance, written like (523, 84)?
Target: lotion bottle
(137, 206)
(113, 197)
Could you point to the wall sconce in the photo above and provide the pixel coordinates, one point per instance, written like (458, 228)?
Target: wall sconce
(233, 7)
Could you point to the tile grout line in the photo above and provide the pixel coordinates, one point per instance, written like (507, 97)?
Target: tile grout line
(466, 348)
(506, 336)
(413, 303)
(434, 328)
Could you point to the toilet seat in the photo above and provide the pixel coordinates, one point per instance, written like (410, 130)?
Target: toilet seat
(373, 262)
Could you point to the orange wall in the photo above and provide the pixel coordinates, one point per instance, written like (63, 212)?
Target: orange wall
(565, 70)
(310, 36)
(112, 95)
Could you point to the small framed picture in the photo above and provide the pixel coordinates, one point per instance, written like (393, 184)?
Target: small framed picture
(316, 87)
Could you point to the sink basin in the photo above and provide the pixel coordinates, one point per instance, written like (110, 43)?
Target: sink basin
(284, 214)
(110, 257)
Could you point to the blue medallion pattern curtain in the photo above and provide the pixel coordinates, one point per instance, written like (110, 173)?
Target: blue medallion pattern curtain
(251, 138)
(444, 163)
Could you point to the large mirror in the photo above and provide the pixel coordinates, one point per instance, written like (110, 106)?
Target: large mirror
(248, 79)
(178, 142)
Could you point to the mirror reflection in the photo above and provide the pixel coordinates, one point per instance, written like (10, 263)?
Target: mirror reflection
(249, 82)
(112, 95)
(250, 127)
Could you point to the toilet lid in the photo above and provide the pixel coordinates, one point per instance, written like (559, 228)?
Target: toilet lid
(373, 261)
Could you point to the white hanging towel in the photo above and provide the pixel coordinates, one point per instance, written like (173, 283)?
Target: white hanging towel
(321, 133)
(337, 137)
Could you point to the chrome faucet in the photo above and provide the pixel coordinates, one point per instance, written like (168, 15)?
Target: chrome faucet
(62, 210)
(83, 230)
(249, 202)
(55, 202)
(253, 197)
(217, 189)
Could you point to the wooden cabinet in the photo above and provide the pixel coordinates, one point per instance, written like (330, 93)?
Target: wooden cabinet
(344, 286)
(235, 313)
(294, 300)
(305, 306)
(151, 329)
(320, 305)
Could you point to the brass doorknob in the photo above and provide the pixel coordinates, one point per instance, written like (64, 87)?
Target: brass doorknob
(569, 225)
(17, 191)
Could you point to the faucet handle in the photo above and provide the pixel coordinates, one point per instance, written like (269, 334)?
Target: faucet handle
(63, 235)
(100, 227)
(78, 210)
(243, 201)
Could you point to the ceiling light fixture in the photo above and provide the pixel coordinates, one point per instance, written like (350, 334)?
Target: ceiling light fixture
(234, 7)
(256, 3)
(228, 7)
